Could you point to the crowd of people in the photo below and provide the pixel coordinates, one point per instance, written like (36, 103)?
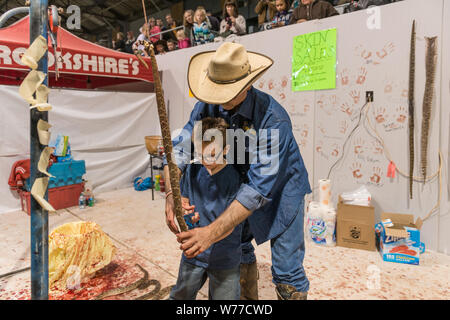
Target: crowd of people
(201, 27)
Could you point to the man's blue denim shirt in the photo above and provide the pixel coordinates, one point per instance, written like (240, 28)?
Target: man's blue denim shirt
(274, 196)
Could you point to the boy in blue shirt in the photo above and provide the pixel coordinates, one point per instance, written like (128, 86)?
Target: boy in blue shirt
(211, 186)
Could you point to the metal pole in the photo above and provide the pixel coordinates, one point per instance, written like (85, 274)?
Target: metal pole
(39, 217)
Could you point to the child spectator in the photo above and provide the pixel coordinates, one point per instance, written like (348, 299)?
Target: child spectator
(130, 41)
(211, 187)
(160, 46)
(266, 10)
(283, 15)
(201, 31)
(171, 45)
(141, 46)
(154, 29)
(232, 22)
(183, 41)
(311, 10)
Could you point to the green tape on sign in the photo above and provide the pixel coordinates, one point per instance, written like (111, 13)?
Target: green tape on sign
(314, 61)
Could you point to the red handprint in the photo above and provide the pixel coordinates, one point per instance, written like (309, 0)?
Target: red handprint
(402, 114)
(362, 76)
(380, 115)
(344, 77)
(358, 146)
(388, 88)
(356, 170)
(347, 109)
(376, 177)
(343, 127)
(335, 151)
(355, 95)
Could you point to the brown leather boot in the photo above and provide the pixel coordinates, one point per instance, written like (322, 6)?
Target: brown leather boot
(249, 281)
(288, 292)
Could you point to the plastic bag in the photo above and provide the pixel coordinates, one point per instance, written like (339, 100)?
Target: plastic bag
(359, 197)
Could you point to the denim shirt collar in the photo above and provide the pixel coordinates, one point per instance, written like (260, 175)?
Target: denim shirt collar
(247, 106)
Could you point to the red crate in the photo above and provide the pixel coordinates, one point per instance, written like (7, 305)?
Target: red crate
(59, 198)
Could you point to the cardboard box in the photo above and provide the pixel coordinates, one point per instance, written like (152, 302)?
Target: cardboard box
(355, 226)
(399, 241)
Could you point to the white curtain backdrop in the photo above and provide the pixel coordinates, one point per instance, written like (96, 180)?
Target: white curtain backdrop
(106, 129)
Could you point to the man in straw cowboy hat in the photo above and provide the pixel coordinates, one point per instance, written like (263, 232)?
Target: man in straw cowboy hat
(271, 199)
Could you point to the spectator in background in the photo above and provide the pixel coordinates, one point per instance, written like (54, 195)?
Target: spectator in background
(171, 24)
(141, 46)
(130, 41)
(215, 23)
(183, 41)
(188, 23)
(266, 10)
(201, 31)
(311, 10)
(232, 22)
(171, 45)
(283, 16)
(160, 46)
(154, 29)
(295, 4)
(119, 43)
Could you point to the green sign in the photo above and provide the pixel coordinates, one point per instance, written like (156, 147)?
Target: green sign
(314, 61)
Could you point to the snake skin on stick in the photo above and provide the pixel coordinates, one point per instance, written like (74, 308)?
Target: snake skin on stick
(167, 141)
(430, 65)
(412, 73)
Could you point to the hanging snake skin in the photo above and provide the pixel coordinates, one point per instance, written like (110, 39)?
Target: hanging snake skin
(430, 65)
(412, 73)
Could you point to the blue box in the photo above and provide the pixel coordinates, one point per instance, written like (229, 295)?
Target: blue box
(65, 174)
(398, 238)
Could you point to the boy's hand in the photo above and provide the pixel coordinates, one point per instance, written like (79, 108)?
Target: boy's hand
(170, 215)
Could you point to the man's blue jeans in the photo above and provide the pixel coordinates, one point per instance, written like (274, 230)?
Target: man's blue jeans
(223, 284)
(288, 251)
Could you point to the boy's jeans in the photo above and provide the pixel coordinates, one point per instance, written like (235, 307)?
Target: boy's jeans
(223, 284)
(288, 251)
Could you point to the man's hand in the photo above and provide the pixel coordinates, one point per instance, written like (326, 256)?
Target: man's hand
(301, 20)
(195, 241)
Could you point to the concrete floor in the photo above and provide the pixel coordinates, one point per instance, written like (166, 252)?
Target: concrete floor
(137, 226)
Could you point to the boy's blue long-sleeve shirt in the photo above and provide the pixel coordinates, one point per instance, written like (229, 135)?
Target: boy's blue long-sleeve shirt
(274, 196)
(211, 195)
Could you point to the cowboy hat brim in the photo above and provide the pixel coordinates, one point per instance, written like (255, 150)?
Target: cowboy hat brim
(205, 90)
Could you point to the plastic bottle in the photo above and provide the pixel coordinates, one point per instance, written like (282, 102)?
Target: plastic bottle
(82, 201)
(157, 186)
(160, 149)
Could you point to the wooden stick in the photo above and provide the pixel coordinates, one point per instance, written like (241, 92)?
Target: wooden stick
(167, 141)
(145, 13)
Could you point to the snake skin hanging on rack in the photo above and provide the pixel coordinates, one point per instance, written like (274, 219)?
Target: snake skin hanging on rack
(430, 65)
(412, 73)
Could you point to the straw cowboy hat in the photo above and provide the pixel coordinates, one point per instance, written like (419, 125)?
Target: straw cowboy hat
(217, 77)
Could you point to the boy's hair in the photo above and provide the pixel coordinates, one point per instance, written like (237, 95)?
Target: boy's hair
(211, 123)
